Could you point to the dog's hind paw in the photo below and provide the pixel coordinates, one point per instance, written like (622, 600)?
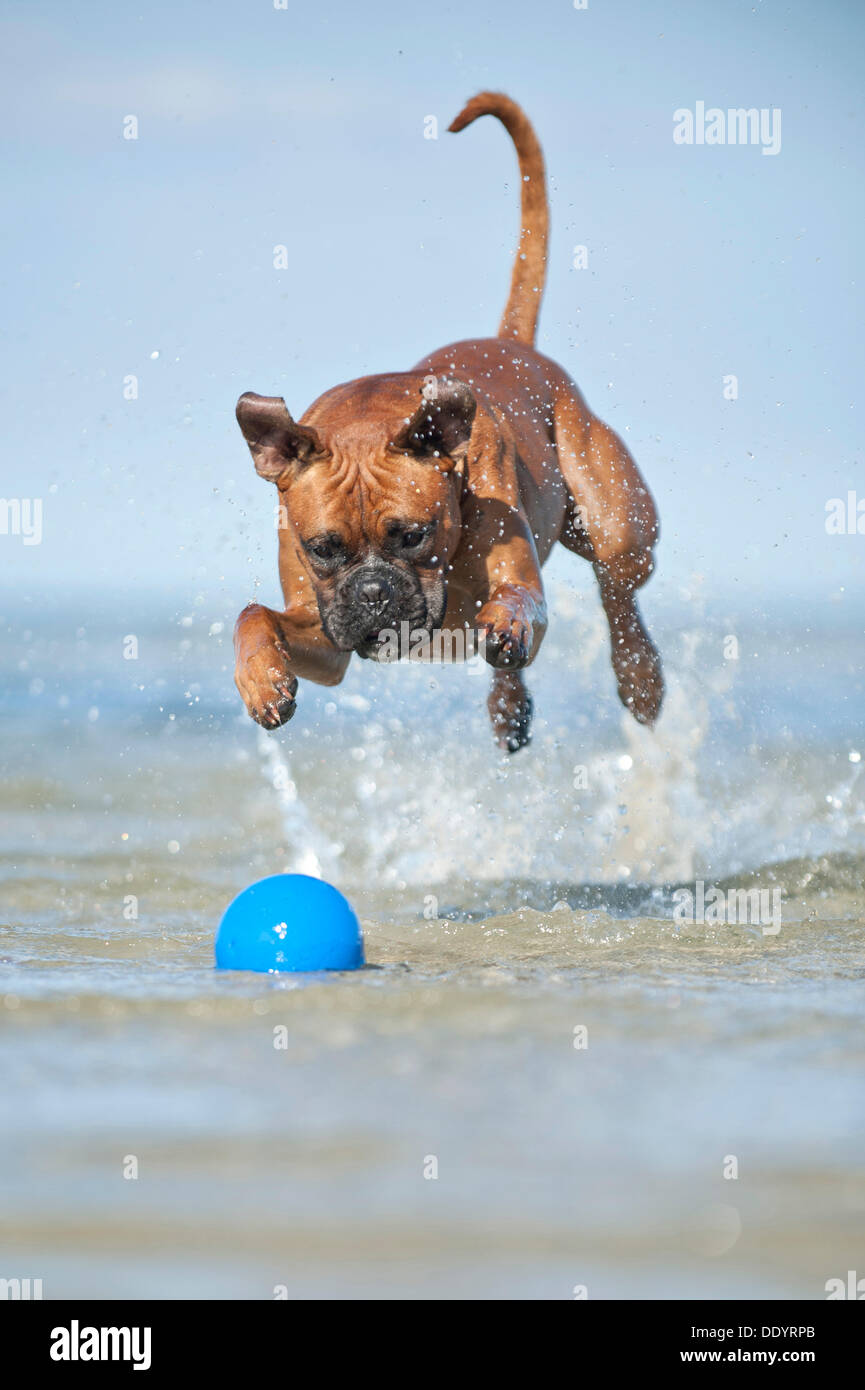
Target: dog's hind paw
(639, 678)
(510, 709)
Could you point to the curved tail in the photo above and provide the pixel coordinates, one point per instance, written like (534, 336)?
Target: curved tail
(527, 281)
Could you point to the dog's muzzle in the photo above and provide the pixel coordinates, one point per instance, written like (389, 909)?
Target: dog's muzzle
(367, 612)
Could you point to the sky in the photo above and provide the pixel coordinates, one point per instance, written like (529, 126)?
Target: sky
(153, 258)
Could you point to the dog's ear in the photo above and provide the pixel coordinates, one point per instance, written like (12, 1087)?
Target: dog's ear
(442, 422)
(275, 441)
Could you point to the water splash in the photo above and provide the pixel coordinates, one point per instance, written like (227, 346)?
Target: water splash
(404, 788)
(310, 850)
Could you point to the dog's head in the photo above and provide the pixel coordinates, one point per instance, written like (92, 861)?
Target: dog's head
(369, 483)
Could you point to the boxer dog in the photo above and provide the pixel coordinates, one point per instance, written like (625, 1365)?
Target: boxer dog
(429, 500)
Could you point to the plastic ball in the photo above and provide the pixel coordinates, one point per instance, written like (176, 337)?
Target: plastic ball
(289, 922)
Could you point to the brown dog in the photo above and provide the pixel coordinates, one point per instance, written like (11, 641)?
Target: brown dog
(432, 497)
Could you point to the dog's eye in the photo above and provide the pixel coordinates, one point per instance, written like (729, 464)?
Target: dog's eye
(412, 539)
(325, 550)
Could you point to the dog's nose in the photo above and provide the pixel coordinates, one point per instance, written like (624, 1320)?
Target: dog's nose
(375, 592)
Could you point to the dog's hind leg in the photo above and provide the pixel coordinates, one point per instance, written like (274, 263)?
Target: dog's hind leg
(510, 710)
(611, 521)
(635, 659)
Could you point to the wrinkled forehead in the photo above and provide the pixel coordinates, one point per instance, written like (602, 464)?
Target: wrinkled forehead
(363, 494)
(363, 484)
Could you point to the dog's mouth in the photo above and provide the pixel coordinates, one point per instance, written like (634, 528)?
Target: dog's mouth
(385, 635)
(374, 645)
(389, 643)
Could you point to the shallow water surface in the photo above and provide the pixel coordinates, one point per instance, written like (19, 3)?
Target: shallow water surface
(543, 1079)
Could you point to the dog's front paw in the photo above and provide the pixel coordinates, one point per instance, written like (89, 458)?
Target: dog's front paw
(267, 686)
(506, 637)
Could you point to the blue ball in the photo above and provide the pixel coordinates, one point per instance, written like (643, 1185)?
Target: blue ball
(289, 922)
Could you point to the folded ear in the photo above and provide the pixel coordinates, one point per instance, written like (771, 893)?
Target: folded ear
(442, 422)
(275, 440)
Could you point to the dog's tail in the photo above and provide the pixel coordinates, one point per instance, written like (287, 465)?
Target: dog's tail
(527, 282)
